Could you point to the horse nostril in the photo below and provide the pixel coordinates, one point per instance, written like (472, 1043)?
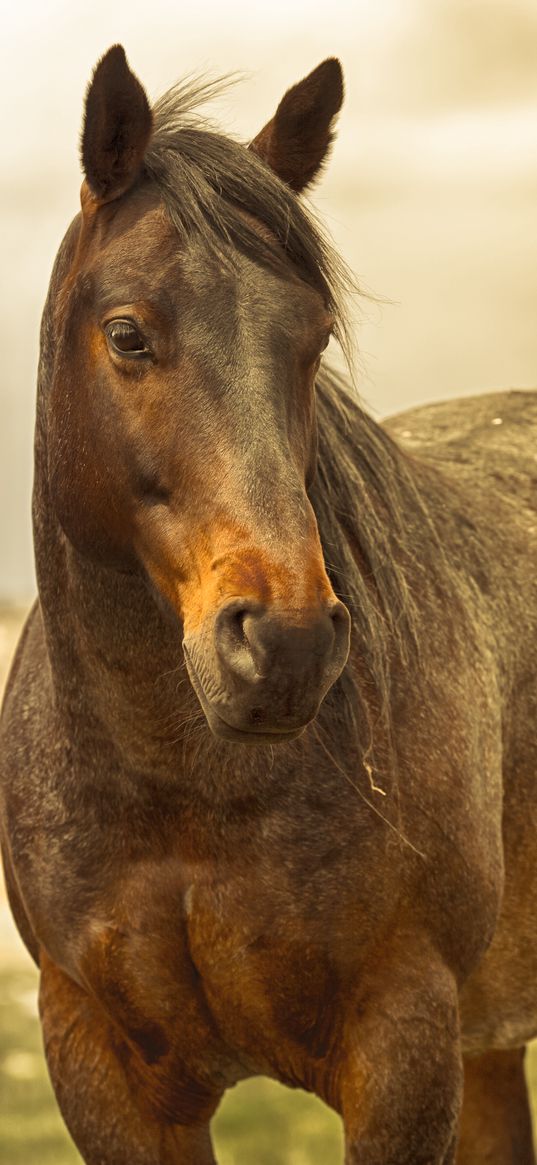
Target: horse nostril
(339, 615)
(341, 623)
(236, 625)
(234, 633)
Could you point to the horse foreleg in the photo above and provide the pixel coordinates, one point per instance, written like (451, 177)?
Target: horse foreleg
(102, 1108)
(401, 1081)
(496, 1121)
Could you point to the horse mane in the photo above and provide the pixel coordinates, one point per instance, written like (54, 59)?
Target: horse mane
(365, 497)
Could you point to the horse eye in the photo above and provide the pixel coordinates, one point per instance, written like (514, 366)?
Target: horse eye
(125, 337)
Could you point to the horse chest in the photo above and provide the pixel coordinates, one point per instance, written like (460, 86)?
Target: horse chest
(220, 979)
(271, 973)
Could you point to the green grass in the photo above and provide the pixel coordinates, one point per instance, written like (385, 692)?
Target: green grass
(31, 1129)
(262, 1123)
(259, 1123)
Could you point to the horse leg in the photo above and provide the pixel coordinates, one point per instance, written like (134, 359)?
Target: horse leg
(496, 1121)
(401, 1082)
(97, 1100)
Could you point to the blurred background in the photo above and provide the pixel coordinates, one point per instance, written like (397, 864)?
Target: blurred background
(430, 195)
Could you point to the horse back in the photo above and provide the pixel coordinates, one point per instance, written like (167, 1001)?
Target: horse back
(488, 440)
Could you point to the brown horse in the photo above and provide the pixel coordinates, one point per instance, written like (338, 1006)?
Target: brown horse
(239, 839)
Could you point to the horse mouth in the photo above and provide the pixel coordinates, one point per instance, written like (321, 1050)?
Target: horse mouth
(225, 731)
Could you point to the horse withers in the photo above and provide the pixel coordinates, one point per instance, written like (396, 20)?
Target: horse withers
(269, 752)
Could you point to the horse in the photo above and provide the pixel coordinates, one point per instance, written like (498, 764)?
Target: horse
(268, 743)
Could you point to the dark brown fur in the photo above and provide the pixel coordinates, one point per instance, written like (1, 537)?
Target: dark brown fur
(296, 141)
(117, 127)
(351, 909)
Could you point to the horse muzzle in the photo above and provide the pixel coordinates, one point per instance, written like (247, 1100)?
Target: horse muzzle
(260, 675)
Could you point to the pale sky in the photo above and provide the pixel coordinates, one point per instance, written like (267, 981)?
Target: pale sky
(431, 193)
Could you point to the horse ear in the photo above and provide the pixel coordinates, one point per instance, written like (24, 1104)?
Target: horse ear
(117, 127)
(296, 142)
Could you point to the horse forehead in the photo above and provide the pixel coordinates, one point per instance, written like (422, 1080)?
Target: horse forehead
(140, 234)
(139, 255)
(246, 303)
(137, 236)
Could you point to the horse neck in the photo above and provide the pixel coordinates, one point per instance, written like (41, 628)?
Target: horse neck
(116, 659)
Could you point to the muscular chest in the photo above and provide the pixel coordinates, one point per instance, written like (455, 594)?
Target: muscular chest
(213, 973)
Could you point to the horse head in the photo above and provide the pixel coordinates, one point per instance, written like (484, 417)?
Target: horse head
(182, 434)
